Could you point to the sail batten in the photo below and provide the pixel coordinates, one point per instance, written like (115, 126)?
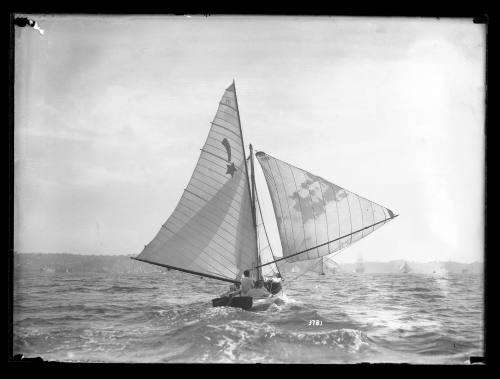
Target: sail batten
(315, 217)
(211, 230)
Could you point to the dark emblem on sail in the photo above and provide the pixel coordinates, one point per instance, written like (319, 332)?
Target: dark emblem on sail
(230, 167)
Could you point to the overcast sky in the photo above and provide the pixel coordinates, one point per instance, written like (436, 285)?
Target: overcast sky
(110, 114)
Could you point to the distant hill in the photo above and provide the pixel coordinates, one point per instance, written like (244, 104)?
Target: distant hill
(115, 264)
(66, 263)
(418, 267)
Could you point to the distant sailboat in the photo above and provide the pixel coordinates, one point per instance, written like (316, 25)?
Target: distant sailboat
(440, 271)
(360, 268)
(214, 230)
(404, 268)
(331, 266)
(322, 266)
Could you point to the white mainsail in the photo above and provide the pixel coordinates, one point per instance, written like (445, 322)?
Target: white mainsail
(315, 217)
(211, 231)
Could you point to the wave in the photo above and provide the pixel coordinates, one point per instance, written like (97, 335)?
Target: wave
(126, 289)
(141, 319)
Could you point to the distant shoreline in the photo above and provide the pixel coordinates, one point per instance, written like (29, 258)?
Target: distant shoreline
(74, 263)
(350, 262)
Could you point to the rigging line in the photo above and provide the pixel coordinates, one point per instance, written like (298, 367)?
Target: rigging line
(265, 231)
(323, 244)
(203, 253)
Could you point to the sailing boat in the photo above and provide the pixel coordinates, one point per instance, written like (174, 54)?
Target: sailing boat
(322, 267)
(332, 266)
(360, 268)
(405, 268)
(213, 231)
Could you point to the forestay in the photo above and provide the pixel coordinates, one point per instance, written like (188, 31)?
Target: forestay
(211, 230)
(315, 215)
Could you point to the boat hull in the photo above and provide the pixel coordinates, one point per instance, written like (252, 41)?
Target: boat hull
(246, 303)
(243, 302)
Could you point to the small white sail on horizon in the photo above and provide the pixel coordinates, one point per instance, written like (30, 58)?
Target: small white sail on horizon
(404, 268)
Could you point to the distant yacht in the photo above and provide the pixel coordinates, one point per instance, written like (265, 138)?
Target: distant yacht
(331, 266)
(360, 268)
(440, 271)
(404, 268)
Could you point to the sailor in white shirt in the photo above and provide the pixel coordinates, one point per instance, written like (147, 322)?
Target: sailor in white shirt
(246, 282)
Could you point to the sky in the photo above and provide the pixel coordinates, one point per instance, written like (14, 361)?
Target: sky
(111, 111)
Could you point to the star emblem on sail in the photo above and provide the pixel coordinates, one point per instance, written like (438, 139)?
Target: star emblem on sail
(230, 167)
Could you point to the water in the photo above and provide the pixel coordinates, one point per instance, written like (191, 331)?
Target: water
(167, 317)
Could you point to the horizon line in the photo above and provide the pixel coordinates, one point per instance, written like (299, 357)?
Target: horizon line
(355, 261)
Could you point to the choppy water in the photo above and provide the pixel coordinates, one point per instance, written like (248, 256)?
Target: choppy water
(168, 318)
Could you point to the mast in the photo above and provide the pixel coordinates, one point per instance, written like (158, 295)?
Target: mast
(250, 187)
(254, 211)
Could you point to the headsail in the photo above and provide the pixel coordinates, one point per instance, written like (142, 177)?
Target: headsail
(211, 230)
(315, 217)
